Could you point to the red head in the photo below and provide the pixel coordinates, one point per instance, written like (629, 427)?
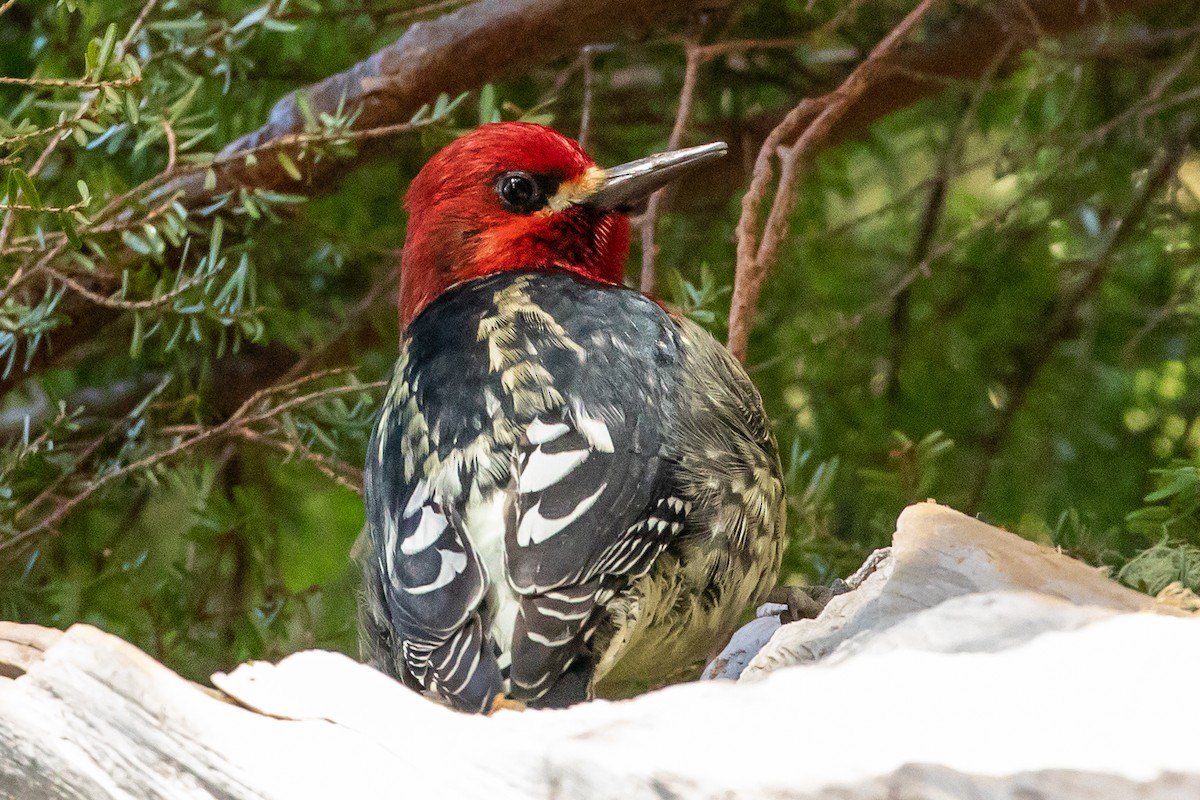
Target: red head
(502, 197)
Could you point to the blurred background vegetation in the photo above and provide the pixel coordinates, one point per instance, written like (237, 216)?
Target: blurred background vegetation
(988, 297)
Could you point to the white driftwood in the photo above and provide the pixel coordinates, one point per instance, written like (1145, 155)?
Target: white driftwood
(929, 704)
(938, 554)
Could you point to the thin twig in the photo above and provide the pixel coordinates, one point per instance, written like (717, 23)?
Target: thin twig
(337, 471)
(124, 305)
(755, 255)
(585, 112)
(82, 204)
(169, 132)
(65, 83)
(715, 49)
(136, 27)
(244, 416)
(687, 93)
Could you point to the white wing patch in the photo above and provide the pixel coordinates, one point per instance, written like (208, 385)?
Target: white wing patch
(540, 432)
(546, 469)
(541, 470)
(428, 530)
(535, 529)
(419, 496)
(453, 564)
(595, 430)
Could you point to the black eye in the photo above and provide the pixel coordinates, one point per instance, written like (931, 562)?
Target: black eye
(519, 192)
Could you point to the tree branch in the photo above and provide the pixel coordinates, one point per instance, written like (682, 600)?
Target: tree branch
(964, 51)
(755, 255)
(654, 207)
(454, 53)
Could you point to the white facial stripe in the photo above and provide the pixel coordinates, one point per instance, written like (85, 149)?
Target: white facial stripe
(571, 192)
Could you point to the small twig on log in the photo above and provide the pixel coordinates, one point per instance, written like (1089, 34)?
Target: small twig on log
(755, 255)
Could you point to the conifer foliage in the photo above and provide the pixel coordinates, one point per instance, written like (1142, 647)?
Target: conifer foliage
(976, 240)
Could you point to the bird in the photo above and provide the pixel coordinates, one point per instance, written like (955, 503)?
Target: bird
(570, 490)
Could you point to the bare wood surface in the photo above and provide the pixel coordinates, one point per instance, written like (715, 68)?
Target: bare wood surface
(939, 556)
(957, 698)
(22, 646)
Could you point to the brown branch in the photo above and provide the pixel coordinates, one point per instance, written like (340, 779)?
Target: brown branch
(755, 255)
(658, 200)
(253, 411)
(963, 53)
(451, 54)
(65, 83)
(339, 472)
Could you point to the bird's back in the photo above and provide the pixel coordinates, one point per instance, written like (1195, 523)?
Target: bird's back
(560, 474)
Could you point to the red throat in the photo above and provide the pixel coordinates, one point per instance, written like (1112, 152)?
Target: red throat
(458, 229)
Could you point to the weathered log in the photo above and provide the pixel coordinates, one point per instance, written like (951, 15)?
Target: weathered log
(970, 663)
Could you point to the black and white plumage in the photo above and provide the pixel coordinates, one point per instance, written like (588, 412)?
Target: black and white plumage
(566, 487)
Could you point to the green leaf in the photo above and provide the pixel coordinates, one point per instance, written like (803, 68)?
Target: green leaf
(214, 242)
(289, 166)
(136, 243)
(68, 226)
(253, 18)
(104, 52)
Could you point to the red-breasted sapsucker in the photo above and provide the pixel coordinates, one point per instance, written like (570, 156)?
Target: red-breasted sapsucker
(567, 486)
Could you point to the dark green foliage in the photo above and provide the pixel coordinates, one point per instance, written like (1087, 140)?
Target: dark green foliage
(1031, 358)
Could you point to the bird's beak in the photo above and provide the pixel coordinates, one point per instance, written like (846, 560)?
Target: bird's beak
(627, 186)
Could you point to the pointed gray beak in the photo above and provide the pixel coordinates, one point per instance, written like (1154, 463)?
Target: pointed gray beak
(628, 185)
